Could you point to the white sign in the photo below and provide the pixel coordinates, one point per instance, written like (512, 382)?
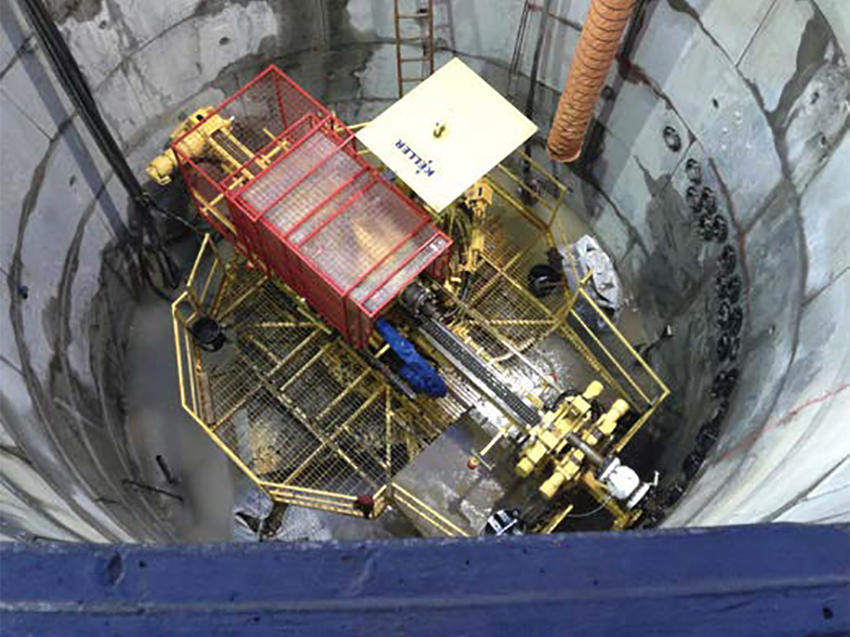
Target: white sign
(446, 133)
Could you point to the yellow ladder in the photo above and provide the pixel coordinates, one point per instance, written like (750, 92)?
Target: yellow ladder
(420, 14)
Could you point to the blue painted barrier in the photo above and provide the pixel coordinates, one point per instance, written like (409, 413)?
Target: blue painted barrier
(755, 580)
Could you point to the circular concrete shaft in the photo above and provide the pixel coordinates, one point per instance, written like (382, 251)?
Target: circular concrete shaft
(714, 174)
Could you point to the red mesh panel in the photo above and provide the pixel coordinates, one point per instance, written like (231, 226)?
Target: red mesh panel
(284, 174)
(373, 224)
(208, 199)
(278, 255)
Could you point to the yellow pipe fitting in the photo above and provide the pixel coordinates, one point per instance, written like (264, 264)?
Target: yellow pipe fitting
(608, 421)
(580, 405)
(591, 439)
(524, 467)
(536, 452)
(620, 407)
(551, 486)
(546, 442)
(549, 440)
(564, 472)
(593, 390)
(160, 167)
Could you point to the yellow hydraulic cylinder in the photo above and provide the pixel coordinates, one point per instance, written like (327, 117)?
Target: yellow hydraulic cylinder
(545, 442)
(594, 388)
(563, 473)
(192, 145)
(160, 167)
(548, 439)
(478, 198)
(580, 405)
(569, 466)
(608, 421)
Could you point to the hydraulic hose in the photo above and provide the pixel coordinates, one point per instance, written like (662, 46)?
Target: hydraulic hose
(597, 47)
(77, 89)
(535, 62)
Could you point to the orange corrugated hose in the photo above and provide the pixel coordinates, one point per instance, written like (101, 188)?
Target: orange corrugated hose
(597, 47)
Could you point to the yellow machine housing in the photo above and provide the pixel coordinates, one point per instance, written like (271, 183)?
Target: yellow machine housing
(549, 438)
(568, 465)
(478, 198)
(210, 136)
(313, 423)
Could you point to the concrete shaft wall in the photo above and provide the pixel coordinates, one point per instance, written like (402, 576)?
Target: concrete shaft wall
(757, 95)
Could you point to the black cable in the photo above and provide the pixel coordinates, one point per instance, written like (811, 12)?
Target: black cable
(535, 64)
(77, 89)
(173, 215)
(532, 86)
(633, 30)
(587, 514)
(75, 85)
(569, 391)
(465, 285)
(463, 293)
(513, 69)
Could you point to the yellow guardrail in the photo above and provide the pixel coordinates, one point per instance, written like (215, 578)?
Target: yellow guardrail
(210, 291)
(445, 526)
(201, 295)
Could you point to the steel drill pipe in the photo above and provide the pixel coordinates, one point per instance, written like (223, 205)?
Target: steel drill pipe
(596, 50)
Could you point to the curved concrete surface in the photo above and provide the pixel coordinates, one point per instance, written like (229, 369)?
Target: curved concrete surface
(755, 95)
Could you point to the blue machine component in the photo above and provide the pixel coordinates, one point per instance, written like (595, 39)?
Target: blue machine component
(423, 378)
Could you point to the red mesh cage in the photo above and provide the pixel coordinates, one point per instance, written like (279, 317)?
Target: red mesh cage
(280, 176)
